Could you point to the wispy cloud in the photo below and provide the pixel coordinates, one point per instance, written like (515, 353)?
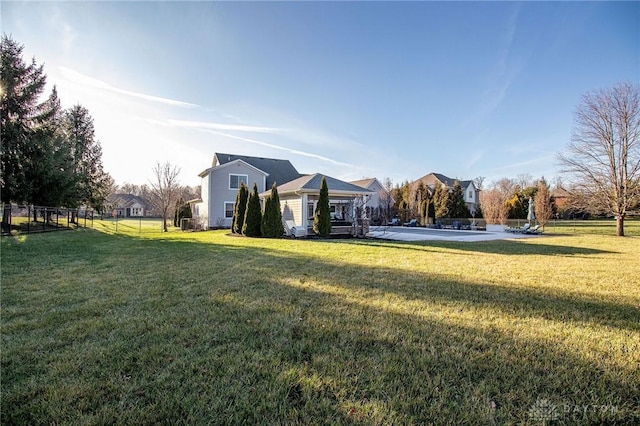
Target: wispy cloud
(503, 75)
(66, 33)
(281, 148)
(222, 126)
(84, 80)
(542, 160)
(475, 158)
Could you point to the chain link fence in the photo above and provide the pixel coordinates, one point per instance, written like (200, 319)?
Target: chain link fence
(26, 219)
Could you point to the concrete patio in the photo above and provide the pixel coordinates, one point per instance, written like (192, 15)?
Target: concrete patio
(400, 233)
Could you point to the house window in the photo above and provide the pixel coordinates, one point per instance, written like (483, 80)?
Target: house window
(228, 209)
(471, 195)
(234, 181)
(310, 210)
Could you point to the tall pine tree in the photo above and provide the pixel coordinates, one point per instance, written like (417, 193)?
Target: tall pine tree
(53, 179)
(441, 201)
(21, 85)
(90, 179)
(457, 206)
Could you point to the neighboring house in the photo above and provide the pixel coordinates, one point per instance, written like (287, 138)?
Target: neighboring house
(561, 197)
(469, 189)
(299, 198)
(128, 205)
(379, 202)
(221, 181)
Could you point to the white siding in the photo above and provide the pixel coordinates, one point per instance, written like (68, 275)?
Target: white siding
(220, 193)
(292, 210)
(203, 208)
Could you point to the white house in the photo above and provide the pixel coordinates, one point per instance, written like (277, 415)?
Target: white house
(299, 199)
(221, 181)
(379, 202)
(469, 189)
(128, 205)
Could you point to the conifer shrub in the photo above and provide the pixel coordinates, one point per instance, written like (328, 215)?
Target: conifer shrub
(272, 216)
(253, 214)
(322, 216)
(239, 209)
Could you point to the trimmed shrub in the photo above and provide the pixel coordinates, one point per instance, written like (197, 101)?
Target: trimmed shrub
(322, 216)
(253, 215)
(239, 209)
(272, 216)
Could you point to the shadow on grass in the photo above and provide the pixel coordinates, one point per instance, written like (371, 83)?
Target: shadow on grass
(228, 334)
(505, 247)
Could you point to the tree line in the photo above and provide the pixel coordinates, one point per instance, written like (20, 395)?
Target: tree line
(49, 155)
(416, 200)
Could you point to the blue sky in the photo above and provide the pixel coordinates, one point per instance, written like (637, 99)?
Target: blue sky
(348, 89)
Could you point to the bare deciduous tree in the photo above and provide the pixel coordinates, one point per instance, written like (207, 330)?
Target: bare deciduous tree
(524, 180)
(165, 188)
(386, 199)
(494, 201)
(542, 203)
(603, 157)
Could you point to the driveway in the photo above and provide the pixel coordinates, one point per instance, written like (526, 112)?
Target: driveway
(401, 233)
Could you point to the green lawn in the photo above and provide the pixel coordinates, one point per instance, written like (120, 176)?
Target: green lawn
(191, 328)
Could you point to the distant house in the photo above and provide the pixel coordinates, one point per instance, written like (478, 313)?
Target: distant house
(469, 189)
(561, 197)
(299, 199)
(128, 205)
(221, 181)
(379, 202)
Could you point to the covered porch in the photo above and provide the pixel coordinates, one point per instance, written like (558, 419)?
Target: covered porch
(299, 200)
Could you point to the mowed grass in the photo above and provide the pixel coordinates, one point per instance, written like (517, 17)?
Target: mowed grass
(193, 328)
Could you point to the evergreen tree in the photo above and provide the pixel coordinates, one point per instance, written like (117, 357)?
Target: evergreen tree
(51, 178)
(441, 201)
(432, 210)
(457, 206)
(272, 217)
(21, 85)
(91, 182)
(253, 215)
(322, 216)
(239, 209)
(424, 212)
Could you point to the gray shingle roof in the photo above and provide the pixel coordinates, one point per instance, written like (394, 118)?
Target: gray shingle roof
(313, 182)
(279, 171)
(363, 182)
(445, 180)
(127, 200)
